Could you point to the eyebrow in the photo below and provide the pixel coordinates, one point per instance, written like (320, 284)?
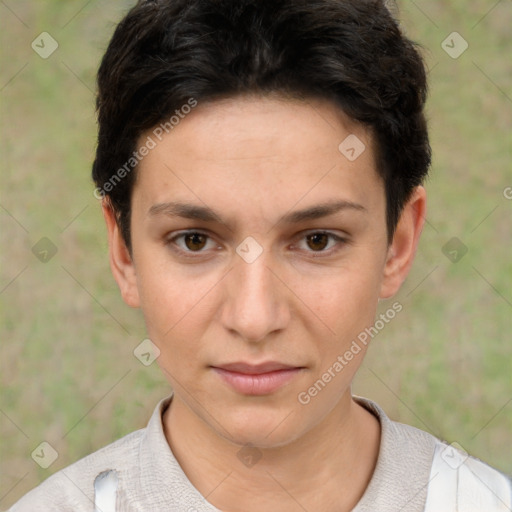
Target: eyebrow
(204, 213)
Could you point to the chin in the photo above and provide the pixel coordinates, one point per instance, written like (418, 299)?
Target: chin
(270, 429)
(258, 439)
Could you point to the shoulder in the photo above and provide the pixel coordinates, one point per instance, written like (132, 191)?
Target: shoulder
(417, 469)
(72, 488)
(399, 441)
(404, 460)
(464, 483)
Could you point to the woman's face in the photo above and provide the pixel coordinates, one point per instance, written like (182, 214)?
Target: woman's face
(259, 236)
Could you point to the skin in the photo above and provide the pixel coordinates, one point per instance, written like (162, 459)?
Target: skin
(253, 159)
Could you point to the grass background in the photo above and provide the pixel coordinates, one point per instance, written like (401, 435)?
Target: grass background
(68, 374)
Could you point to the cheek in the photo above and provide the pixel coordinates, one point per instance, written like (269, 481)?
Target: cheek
(168, 314)
(347, 304)
(345, 298)
(165, 299)
(176, 308)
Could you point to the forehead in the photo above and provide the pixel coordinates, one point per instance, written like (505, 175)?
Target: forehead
(255, 151)
(273, 123)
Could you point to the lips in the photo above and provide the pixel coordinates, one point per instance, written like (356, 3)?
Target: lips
(261, 379)
(252, 369)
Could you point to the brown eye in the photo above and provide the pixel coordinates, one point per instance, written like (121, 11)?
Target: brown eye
(321, 243)
(195, 241)
(190, 243)
(318, 241)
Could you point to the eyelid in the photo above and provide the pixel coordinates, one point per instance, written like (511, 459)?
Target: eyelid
(339, 239)
(170, 241)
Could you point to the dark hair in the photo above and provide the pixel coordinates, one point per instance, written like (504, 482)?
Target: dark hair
(165, 52)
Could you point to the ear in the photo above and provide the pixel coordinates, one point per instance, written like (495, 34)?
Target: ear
(121, 262)
(402, 250)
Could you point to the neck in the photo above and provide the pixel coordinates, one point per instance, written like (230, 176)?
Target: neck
(328, 468)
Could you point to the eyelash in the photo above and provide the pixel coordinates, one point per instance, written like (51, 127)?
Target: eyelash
(196, 254)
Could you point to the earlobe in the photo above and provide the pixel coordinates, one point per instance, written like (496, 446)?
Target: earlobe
(121, 262)
(402, 250)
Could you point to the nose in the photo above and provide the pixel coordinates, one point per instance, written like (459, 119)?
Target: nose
(255, 304)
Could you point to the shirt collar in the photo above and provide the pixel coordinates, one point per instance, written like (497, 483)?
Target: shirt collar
(400, 478)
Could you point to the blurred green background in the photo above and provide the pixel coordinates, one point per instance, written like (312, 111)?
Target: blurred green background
(68, 373)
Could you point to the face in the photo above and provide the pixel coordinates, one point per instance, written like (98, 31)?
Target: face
(256, 240)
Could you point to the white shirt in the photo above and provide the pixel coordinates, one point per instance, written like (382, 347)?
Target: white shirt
(414, 470)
